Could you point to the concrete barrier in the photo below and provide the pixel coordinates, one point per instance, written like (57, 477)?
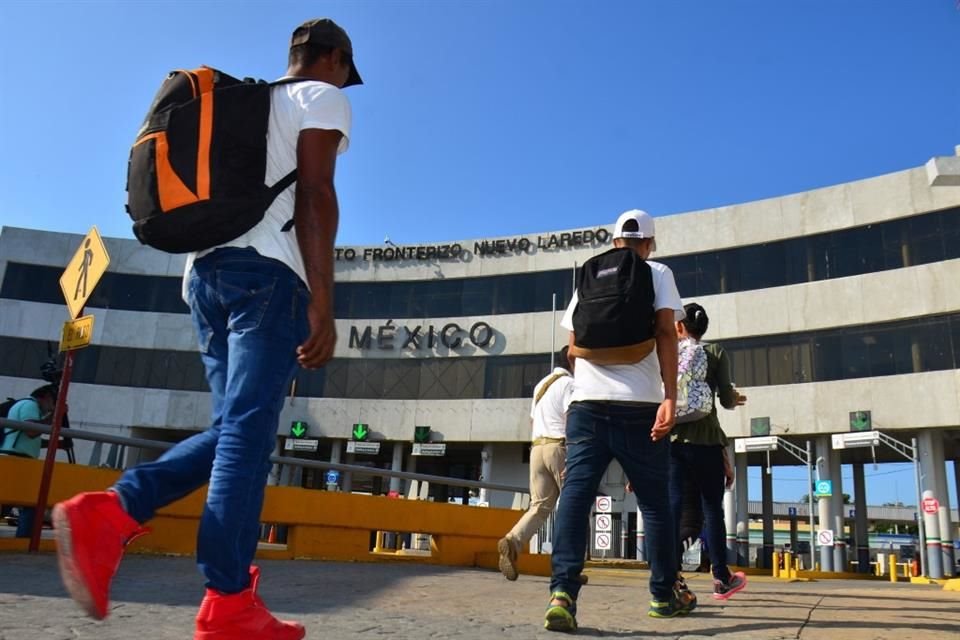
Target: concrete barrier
(320, 524)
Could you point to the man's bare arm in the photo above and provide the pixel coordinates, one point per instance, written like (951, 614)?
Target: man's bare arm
(316, 215)
(665, 332)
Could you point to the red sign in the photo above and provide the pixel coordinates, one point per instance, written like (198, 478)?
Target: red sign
(930, 505)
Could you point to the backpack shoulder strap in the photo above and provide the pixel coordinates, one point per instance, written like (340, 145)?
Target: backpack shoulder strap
(287, 180)
(546, 385)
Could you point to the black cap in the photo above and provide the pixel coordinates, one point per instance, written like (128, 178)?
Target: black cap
(327, 33)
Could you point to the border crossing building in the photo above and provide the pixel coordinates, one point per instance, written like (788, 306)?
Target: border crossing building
(832, 302)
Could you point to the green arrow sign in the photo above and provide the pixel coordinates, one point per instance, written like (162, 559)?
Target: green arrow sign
(421, 434)
(298, 429)
(360, 432)
(760, 426)
(860, 421)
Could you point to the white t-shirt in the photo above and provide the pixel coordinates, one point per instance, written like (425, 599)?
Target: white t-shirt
(310, 104)
(639, 382)
(549, 415)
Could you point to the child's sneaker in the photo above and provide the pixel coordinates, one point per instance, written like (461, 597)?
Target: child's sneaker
(723, 590)
(670, 609)
(561, 617)
(686, 597)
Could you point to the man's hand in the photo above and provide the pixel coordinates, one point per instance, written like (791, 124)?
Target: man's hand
(318, 348)
(666, 414)
(728, 474)
(741, 399)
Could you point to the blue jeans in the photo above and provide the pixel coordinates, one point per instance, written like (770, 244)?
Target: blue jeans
(25, 522)
(598, 432)
(699, 469)
(250, 314)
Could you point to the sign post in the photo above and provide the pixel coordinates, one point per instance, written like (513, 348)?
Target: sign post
(82, 274)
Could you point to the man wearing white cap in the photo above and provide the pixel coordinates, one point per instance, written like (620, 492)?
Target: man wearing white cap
(622, 332)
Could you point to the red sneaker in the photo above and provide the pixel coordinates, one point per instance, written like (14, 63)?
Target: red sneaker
(242, 616)
(92, 530)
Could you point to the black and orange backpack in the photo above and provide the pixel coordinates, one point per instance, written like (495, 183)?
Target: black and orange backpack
(196, 173)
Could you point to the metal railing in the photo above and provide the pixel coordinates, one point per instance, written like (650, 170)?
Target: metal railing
(143, 443)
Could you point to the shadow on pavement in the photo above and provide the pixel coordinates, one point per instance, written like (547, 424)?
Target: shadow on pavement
(293, 586)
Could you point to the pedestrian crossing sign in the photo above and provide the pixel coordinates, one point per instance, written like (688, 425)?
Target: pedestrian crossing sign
(83, 272)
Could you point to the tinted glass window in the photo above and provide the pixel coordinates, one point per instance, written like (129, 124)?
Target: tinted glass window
(925, 239)
(950, 223)
(684, 273)
(921, 239)
(443, 299)
(907, 346)
(508, 374)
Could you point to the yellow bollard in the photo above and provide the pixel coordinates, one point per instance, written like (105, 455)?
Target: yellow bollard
(787, 572)
(776, 564)
(796, 567)
(892, 559)
(378, 545)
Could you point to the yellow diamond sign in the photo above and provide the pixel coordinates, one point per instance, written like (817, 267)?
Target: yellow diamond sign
(83, 272)
(76, 333)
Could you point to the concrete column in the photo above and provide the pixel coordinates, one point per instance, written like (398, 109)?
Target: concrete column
(956, 478)
(730, 514)
(486, 469)
(824, 454)
(641, 537)
(411, 464)
(396, 484)
(336, 447)
(742, 529)
(347, 485)
(931, 467)
(766, 483)
(95, 454)
(931, 523)
(945, 521)
(836, 515)
(860, 516)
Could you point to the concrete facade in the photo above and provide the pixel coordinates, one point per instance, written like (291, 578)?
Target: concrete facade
(904, 402)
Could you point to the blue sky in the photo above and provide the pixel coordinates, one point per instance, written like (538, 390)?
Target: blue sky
(490, 118)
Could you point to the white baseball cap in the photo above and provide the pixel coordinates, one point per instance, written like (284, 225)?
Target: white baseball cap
(634, 224)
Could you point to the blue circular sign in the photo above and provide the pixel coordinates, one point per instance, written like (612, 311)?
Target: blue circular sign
(333, 476)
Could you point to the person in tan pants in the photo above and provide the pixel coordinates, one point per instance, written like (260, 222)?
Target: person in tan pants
(548, 458)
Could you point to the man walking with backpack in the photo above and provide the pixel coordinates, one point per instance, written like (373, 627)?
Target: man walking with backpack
(621, 322)
(261, 305)
(548, 456)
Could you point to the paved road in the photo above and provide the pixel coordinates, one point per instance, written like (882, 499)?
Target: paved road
(156, 598)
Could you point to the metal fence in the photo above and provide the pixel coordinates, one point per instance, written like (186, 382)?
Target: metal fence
(142, 443)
